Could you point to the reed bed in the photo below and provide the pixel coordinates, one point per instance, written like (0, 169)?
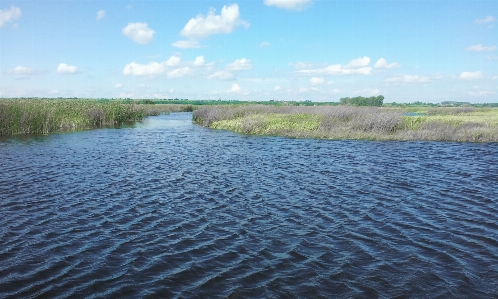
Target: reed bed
(38, 116)
(348, 122)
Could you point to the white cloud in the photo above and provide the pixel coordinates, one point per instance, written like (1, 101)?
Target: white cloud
(204, 26)
(481, 48)
(186, 44)
(264, 44)
(482, 93)
(289, 4)
(21, 70)
(277, 87)
(7, 15)
(172, 61)
(240, 64)
(355, 66)
(410, 79)
(316, 81)
(495, 78)
(53, 91)
(119, 85)
(382, 64)
(139, 32)
(222, 75)
(178, 73)
(302, 65)
(151, 69)
(66, 69)
(488, 19)
(199, 61)
(358, 63)
(235, 88)
(471, 75)
(367, 92)
(100, 14)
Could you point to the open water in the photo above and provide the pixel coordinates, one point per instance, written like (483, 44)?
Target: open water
(169, 209)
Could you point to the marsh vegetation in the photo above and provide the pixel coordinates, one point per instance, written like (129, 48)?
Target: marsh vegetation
(44, 116)
(347, 122)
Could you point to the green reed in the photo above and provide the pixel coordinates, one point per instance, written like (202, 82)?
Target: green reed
(41, 116)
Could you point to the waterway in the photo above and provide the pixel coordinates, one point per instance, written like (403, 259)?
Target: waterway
(166, 208)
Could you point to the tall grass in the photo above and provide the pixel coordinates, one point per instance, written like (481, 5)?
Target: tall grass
(347, 122)
(37, 116)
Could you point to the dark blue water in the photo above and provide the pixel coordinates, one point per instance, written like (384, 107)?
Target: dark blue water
(170, 209)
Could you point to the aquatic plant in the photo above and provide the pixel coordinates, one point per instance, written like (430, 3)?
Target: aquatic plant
(37, 116)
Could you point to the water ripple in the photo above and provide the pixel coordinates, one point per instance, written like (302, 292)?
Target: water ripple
(169, 209)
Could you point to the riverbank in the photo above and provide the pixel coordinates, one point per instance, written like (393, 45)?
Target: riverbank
(43, 116)
(464, 124)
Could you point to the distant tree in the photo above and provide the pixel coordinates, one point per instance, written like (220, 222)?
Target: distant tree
(362, 101)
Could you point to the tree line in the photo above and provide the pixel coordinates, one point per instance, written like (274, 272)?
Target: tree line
(362, 101)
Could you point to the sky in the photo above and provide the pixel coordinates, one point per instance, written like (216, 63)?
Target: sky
(251, 50)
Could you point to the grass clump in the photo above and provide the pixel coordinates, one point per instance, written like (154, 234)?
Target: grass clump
(347, 122)
(37, 116)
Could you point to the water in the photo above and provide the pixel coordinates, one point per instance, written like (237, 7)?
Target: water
(169, 209)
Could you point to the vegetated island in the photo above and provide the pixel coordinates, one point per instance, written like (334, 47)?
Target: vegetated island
(462, 124)
(351, 118)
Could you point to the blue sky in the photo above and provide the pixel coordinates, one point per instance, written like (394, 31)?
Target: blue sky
(406, 50)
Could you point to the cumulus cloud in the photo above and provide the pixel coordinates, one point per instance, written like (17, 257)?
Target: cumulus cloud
(152, 68)
(410, 79)
(222, 75)
(235, 88)
(264, 44)
(240, 64)
(119, 85)
(204, 26)
(139, 32)
(289, 4)
(355, 66)
(199, 61)
(66, 69)
(481, 48)
(382, 64)
(178, 73)
(173, 68)
(100, 14)
(21, 70)
(316, 81)
(358, 63)
(186, 44)
(7, 15)
(486, 20)
(471, 75)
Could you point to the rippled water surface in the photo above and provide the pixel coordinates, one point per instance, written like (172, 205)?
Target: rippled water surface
(170, 209)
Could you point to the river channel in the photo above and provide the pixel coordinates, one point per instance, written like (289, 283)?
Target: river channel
(169, 209)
